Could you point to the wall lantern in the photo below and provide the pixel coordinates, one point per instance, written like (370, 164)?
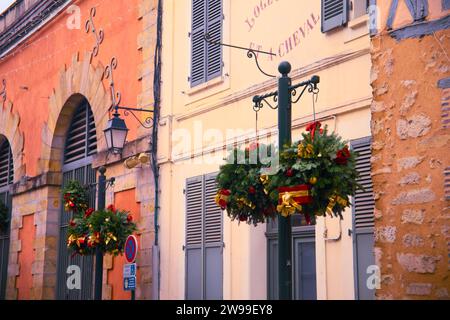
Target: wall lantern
(116, 133)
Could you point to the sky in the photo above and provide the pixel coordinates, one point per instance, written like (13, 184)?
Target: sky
(5, 4)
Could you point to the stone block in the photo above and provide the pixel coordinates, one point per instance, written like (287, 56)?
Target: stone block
(418, 263)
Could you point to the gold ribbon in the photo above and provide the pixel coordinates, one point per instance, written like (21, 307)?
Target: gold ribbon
(219, 197)
(288, 205)
(245, 202)
(109, 237)
(265, 181)
(305, 152)
(333, 200)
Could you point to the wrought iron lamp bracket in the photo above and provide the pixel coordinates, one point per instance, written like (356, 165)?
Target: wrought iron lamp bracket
(147, 123)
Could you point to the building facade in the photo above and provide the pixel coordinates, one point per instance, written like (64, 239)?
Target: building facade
(410, 164)
(207, 109)
(59, 63)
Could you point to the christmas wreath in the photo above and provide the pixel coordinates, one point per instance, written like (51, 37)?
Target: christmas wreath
(4, 216)
(75, 197)
(242, 187)
(106, 230)
(316, 175)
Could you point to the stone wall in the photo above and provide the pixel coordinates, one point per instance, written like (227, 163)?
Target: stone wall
(410, 155)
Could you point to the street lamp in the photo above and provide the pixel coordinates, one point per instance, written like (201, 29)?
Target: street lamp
(285, 96)
(116, 133)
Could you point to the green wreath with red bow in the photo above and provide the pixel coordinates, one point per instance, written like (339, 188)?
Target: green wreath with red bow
(242, 189)
(316, 176)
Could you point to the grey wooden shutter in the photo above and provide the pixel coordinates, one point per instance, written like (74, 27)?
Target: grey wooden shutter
(6, 164)
(194, 238)
(204, 240)
(213, 246)
(214, 29)
(363, 220)
(334, 14)
(198, 44)
(206, 59)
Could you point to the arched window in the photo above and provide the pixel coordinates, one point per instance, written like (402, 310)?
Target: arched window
(80, 145)
(6, 179)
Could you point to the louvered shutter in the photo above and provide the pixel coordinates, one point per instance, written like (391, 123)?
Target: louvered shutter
(363, 220)
(206, 59)
(194, 238)
(81, 139)
(213, 245)
(198, 44)
(204, 240)
(334, 14)
(214, 29)
(6, 164)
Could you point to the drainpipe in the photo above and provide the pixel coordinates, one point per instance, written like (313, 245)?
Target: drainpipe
(154, 149)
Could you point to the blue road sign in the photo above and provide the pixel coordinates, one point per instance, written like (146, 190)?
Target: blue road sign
(129, 283)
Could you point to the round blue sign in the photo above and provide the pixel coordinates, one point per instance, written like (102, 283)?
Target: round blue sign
(131, 249)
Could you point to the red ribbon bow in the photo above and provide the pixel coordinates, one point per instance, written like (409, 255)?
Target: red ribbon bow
(312, 127)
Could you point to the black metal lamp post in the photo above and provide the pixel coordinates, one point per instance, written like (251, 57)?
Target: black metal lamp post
(285, 96)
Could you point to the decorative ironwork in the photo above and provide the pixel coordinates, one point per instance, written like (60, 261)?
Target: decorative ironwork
(108, 74)
(310, 85)
(148, 122)
(99, 36)
(251, 53)
(3, 92)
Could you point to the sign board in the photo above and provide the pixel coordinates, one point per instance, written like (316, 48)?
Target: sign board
(129, 283)
(131, 248)
(129, 270)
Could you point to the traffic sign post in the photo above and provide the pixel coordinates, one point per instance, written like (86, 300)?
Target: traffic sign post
(129, 269)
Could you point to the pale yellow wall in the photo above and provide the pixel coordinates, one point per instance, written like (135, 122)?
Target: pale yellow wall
(342, 61)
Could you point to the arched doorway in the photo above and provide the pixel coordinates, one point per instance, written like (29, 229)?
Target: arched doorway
(80, 145)
(6, 180)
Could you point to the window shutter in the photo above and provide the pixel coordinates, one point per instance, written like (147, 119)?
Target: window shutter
(334, 14)
(6, 164)
(214, 29)
(364, 201)
(198, 44)
(206, 59)
(363, 221)
(81, 138)
(204, 240)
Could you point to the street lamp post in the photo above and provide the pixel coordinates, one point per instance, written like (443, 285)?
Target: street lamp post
(284, 223)
(285, 96)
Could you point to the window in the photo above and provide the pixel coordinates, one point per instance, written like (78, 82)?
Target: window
(204, 240)
(206, 59)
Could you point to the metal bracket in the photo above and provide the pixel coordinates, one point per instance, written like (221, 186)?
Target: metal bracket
(251, 53)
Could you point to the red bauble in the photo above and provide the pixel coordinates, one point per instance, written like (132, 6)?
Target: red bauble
(252, 190)
(129, 218)
(290, 172)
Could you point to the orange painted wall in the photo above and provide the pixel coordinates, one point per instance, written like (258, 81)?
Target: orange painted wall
(24, 282)
(36, 63)
(124, 199)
